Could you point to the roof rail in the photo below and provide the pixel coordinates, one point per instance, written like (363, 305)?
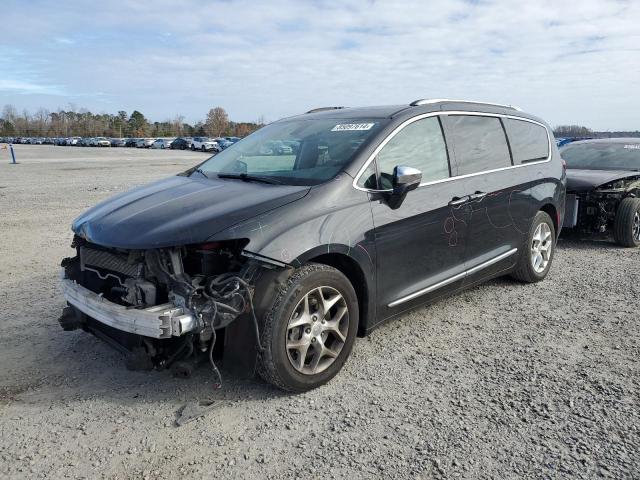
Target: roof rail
(429, 101)
(323, 109)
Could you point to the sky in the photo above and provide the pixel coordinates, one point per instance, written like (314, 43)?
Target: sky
(569, 62)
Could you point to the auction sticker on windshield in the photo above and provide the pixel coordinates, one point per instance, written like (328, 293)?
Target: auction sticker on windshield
(344, 127)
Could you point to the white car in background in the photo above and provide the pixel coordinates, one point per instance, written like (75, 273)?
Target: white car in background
(73, 141)
(205, 144)
(101, 142)
(162, 143)
(145, 142)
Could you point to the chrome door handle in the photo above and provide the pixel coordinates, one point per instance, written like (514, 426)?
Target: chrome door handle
(477, 196)
(456, 201)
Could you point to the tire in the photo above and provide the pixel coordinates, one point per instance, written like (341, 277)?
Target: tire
(193, 149)
(626, 226)
(528, 270)
(203, 149)
(162, 147)
(276, 362)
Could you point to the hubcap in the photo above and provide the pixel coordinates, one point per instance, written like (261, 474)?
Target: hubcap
(541, 247)
(636, 226)
(317, 330)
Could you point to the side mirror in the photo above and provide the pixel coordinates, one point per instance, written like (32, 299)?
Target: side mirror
(405, 179)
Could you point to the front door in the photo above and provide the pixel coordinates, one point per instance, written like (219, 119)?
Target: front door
(420, 245)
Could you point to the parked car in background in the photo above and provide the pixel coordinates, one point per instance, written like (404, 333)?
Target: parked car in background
(604, 188)
(101, 142)
(233, 139)
(73, 141)
(131, 142)
(162, 143)
(118, 142)
(180, 144)
(145, 142)
(223, 143)
(383, 209)
(205, 144)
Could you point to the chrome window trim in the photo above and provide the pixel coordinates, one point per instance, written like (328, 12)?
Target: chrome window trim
(457, 177)
(452, 279)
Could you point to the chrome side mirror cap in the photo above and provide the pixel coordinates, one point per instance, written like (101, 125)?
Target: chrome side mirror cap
(405, 179)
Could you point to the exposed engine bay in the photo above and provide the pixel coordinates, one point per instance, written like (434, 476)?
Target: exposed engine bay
(162, 307)
(594, 211)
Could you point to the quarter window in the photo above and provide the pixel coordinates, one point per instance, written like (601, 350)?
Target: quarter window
(479, 142)
(419, 145)
(529, 141)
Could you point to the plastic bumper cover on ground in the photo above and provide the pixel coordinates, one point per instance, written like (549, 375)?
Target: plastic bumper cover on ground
(160, 321)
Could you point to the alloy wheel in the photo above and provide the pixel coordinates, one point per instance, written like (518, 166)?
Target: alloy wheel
(541, 248)
(317, 330)
(636, 226)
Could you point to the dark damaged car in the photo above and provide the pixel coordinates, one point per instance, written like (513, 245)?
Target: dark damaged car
(276, 259)
(604, 188)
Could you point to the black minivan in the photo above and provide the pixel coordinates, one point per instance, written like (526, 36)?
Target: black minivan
(277, 259)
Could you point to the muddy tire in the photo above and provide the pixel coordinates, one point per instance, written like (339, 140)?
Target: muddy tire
(538, 250)
(308, 333)
(626, 226)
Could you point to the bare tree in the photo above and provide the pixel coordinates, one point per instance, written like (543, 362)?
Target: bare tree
(178, 125)
(217, 122)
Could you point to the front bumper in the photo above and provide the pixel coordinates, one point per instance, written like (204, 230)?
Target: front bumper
(159, 321)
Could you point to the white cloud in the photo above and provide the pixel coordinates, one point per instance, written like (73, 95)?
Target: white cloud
(567, 62)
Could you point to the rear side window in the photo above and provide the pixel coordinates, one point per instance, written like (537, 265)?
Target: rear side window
(479, 142)
(529, 141)
(419, 145)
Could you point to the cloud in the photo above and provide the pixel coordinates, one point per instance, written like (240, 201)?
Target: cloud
(568, 63)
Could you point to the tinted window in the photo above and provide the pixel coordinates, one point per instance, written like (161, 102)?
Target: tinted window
(479, 143)
(419, 145)
(528, 140)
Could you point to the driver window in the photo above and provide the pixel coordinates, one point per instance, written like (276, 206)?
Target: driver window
(419, 145)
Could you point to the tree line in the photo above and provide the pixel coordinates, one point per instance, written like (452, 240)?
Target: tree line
(580, 131)
(82, 123)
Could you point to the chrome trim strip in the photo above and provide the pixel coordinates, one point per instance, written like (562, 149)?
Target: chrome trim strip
(430, 101)
(449, 280)
(458, 177)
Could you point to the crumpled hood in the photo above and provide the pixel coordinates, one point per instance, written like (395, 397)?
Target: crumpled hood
(179, 211)
(585, 180)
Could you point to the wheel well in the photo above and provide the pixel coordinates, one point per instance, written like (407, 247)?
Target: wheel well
(550, 210)
(350, 269)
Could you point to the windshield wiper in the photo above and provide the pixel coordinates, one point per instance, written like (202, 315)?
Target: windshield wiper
(199, 170)
(248, 178)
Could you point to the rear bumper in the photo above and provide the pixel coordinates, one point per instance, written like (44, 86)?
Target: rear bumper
(159, 321)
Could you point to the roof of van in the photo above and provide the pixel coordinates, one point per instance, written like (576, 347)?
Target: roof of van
(416, 107)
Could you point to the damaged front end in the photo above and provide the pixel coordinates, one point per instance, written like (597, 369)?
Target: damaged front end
(163, 307)
(594, 211)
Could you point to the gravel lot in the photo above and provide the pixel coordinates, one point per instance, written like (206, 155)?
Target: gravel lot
(503, 381)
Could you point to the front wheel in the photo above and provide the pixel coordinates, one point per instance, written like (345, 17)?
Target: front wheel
(539, 248)
(626, 226)
(309, 331)
(193, 148)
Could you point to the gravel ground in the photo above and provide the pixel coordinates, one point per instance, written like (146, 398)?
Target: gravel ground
(502, 381)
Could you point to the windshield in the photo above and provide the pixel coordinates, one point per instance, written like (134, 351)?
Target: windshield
(296, 152)
(602, 156)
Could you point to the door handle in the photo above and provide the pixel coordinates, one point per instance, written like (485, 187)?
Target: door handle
(456, 201)
(477, 196)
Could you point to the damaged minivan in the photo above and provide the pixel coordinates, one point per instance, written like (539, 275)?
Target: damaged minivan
(274, 254)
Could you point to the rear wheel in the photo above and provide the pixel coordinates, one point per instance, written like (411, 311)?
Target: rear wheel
(535, 260)
(193, 148)
(203, 149)
(626, 226)
(309, 332)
